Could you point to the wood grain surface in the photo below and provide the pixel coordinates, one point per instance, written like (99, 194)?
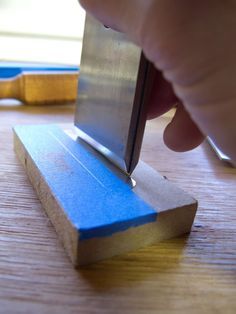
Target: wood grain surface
(191, 274)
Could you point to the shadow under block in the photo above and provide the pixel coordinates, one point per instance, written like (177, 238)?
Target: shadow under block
(95, 213)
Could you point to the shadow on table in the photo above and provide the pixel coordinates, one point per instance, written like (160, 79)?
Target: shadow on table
(133, 268)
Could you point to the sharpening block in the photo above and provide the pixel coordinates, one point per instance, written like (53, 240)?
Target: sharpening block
(95, 213)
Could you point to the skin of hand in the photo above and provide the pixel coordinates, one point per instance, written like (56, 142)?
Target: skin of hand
(192, 45)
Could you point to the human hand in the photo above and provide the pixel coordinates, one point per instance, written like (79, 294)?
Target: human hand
(193, 44)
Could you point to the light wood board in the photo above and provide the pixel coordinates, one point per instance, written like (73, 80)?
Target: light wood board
(95, 213)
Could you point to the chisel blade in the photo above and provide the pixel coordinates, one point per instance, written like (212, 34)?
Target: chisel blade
(113, 84)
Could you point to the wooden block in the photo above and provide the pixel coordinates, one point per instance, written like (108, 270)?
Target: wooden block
(35, 88)
(95, 213)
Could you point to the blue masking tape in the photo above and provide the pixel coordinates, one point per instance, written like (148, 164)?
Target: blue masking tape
(96, 202)
(11, 69)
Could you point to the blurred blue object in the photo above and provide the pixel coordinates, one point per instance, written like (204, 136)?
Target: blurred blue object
(11, 69)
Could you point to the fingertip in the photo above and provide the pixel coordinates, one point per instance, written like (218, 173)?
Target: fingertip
(83, 3)
(181, 144)
(182, 134)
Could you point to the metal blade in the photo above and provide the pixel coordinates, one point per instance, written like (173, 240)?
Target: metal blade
(111, 108)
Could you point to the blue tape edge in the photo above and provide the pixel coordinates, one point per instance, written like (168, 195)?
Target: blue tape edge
(97, 203)
(11, 69)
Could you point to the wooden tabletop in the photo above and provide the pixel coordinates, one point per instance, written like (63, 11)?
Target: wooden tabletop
(192, 274)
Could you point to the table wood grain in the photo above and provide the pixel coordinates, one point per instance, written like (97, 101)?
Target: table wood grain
(191, 274)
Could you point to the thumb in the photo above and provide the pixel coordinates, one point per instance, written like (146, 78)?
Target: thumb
(117, 14)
